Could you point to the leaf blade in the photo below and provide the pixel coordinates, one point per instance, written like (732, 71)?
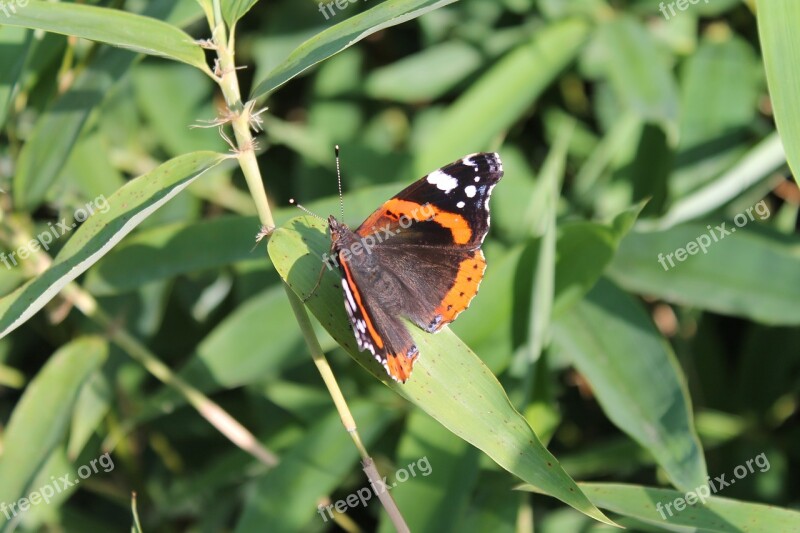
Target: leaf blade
(781, 55)
(119, 28)
(41, 417)
(445, 370)
(597, 335)
(753, 273)
(131, 204)
(343, 35)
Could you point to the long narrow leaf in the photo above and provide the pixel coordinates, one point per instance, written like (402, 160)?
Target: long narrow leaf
(119, 28)
(54, 136)
(635, 376)
(714, 514)
(343, 35)
(40, 419)
(449, 382)
(753, 274)
(776, 21)
(127, 208)
(503, 94)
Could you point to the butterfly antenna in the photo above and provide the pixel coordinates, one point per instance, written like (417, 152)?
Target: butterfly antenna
(291, 201)
(339, 178)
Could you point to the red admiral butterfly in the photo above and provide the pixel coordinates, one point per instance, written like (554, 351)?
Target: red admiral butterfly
(418, 257)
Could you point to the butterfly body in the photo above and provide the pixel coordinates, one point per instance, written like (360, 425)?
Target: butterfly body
(418, 257)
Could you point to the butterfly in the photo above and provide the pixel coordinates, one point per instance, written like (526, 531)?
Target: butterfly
(418, 256)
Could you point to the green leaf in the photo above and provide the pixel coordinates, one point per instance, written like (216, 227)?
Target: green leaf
(409, 80)
(127, 208)
(613, 150)
(48, 148)
(487, 332)
(544, 273)
(171, 250)
(41, 417)
(715, 514)
(577, 240)
(58, 463)
(172, 97)
(753, 274)
(720, 87)
(776, 18)
(502, 95)
(755, 166)
(638, 72)
(44, 154)
(494, 507)
(233, 10)
(343, 35)
(15, 43)
(612, 342)
(449, 382)
(119, 28)
(231, 356)
(91, 406)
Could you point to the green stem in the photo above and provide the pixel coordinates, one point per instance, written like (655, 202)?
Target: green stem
(344, 411)
(240, 121)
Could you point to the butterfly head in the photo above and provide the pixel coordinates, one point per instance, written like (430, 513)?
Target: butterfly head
(339, 232)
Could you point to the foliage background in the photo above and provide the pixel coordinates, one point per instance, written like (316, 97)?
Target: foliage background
(627, 372)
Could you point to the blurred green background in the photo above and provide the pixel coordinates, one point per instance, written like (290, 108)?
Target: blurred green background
(626, 131)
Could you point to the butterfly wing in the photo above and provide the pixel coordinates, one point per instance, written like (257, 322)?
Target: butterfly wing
(373, 312)
(447, 208)
(423, 259)
(431, 232)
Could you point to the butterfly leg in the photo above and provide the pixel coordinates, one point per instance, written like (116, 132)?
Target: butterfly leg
(316, 285)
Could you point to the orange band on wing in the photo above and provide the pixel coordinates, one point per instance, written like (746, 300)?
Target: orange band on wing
(400, 366)
(357, 295)
(470, 274)
(396, 209)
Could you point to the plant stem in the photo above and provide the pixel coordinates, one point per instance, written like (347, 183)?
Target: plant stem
(240, 121)
(344, 411)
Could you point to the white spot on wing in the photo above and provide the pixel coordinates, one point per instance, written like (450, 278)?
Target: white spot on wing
(468, 161)
(470, 191)
(348, 295)
(488, 213)
(443, 182)
(477, 179)
(460, 205)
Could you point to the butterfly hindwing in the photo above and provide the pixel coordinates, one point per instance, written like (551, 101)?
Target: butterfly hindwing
(373, 316)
